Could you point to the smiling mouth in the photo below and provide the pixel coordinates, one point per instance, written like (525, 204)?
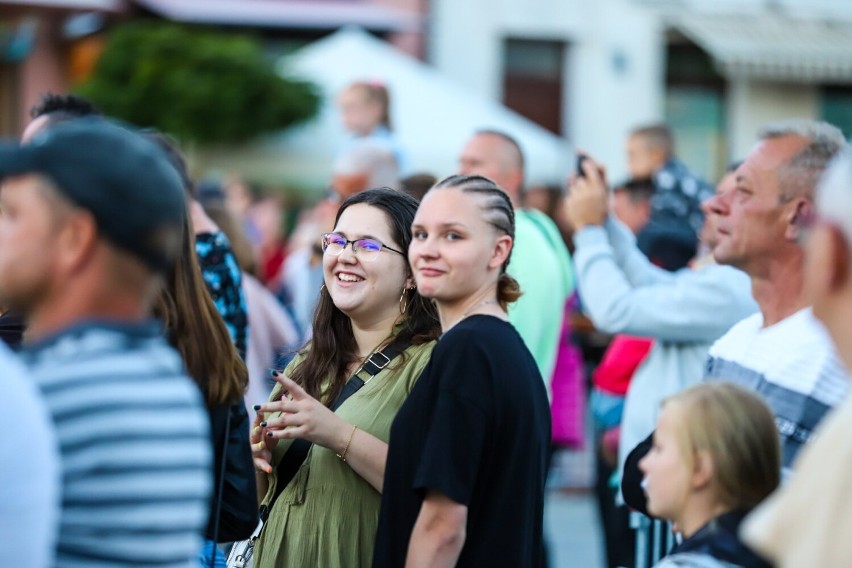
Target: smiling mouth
(348, 278)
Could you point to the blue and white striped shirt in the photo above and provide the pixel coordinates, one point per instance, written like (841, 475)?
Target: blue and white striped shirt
(793, 365)
(134, 442)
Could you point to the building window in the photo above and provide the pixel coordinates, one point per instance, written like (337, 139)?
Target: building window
(836, 107)
(694, 109)
(532, 80)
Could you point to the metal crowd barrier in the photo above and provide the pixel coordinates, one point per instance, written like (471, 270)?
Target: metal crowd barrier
(654, 539)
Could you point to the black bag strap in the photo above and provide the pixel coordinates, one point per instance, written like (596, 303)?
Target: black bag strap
(217, 512)
(298, 451)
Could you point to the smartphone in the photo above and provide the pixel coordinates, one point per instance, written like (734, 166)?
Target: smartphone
(580, 159)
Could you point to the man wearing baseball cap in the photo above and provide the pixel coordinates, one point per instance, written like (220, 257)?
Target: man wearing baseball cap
(91, 217)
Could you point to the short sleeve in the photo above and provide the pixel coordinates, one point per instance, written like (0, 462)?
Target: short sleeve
(456, 436)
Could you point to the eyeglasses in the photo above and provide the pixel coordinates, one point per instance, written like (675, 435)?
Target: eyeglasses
(366, 249)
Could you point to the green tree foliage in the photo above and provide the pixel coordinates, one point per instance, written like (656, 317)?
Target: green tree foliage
(198, 85)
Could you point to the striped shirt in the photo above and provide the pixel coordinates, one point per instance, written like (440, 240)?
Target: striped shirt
(134, 443)
(793, 365)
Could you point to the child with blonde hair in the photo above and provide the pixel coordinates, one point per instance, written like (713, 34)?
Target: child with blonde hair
(715, 456)
(365, 110)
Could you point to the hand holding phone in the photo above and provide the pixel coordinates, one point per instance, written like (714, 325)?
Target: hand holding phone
(580, 159)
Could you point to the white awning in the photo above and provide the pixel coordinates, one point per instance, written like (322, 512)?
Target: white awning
(432, 118)
(327, 14)
(773, 46)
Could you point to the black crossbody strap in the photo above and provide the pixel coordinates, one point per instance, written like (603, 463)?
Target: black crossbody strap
(298, 451)
(373, 366)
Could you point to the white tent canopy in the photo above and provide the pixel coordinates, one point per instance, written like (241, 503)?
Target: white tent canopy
(432, 116)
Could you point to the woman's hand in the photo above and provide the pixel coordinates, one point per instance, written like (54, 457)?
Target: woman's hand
(261, 445)
(302, 416)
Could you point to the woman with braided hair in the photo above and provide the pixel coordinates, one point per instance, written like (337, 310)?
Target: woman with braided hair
(467, 460)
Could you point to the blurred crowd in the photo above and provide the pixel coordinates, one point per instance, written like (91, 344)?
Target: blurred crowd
(386, 376)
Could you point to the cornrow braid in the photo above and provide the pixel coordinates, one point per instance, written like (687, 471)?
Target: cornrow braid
(500, 214)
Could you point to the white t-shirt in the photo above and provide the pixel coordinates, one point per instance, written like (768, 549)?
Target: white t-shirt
(29, 469)
(792, 364)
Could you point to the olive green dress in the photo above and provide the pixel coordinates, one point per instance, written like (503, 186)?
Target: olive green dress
(327, 515)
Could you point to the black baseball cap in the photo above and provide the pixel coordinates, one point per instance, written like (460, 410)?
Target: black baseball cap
(123, 179)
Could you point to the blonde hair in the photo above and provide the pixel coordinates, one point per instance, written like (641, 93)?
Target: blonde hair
(736, 428)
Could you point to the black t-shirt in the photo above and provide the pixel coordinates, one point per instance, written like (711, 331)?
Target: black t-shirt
(476, 427)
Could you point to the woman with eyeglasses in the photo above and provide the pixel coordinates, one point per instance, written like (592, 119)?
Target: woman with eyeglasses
(467, 461)
(320, 443)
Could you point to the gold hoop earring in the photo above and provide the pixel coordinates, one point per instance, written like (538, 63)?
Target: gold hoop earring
(403, 301)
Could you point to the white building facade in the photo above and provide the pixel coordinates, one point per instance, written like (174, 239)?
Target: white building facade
(714, 70)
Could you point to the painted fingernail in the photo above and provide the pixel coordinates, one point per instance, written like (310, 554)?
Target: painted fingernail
(256, 430)
(269, 434)
(256, 407)
(260, 445)
(274, 373)
(263, 424)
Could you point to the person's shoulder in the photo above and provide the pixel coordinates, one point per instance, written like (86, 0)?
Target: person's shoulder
(534, 223)
(490, 336)
(18, 390)
(420, 352)
(101, 341)
(90, 355)
(10, 363)
(730, 282)
(416, 359)
(803, 329)
(469, 332)
(479, 328)
(746, 327)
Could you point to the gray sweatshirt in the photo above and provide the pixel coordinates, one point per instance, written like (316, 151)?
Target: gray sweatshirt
(683, 311)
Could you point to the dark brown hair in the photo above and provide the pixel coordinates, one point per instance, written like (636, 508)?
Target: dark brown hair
(193, 324)
(333, 349)
(197, 331)
(500, 214)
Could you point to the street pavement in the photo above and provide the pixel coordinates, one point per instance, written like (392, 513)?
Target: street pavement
(572, 531)
(571, 524)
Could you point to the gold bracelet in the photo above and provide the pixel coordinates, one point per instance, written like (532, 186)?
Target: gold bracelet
(346, 449)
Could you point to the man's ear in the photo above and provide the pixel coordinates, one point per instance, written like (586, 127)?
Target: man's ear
(77, 241)
(502, 248)
(703, 470)
(802, 209)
